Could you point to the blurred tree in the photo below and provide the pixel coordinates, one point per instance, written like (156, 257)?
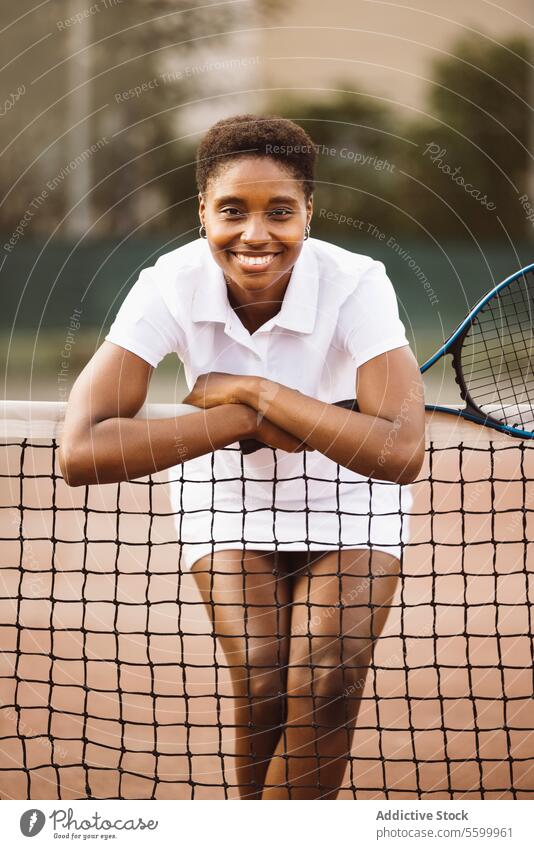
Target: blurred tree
(162, 55)
(150, 58)
(118, 70)
(456, 171)
(357, 138)
(477, 131)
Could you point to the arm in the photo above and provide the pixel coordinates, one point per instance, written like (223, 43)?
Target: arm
(103, 443)
(385, 440)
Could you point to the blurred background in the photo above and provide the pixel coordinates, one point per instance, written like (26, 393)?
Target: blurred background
(422, 111)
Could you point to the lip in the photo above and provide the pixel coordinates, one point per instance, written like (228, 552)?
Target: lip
(248, 266)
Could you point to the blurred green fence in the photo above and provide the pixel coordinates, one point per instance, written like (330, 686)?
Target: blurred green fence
(44, 284)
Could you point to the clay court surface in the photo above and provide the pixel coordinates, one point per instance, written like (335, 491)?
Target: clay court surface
(108, 679)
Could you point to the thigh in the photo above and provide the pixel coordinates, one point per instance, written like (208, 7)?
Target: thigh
(341, 601)
(247, 594)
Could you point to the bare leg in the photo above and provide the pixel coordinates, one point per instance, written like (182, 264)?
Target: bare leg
(247, 596)
(340, 605)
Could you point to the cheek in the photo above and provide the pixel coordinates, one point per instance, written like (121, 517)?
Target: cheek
(220, 235)
(293, 240)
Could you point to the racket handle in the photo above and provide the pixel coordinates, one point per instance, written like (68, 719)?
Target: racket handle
(250, 446)
(351, 404)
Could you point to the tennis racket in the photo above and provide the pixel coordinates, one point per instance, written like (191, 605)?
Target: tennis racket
(493, 360)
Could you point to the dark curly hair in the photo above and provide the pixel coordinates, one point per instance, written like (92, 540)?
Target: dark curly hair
(251, 135)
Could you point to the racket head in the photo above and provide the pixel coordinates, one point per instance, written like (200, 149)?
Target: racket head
(493, 356)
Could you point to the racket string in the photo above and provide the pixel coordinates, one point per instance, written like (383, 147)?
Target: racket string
(497, 356)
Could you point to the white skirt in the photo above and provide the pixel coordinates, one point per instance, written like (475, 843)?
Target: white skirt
(274, 501)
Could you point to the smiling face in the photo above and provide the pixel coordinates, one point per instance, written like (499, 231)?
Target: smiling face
(255, 213)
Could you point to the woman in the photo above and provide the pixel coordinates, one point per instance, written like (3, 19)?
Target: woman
(273, 328)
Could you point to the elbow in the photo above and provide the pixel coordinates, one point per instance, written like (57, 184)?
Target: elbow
(72, 465)
(407, 476)
(404, 465)
(409, 463)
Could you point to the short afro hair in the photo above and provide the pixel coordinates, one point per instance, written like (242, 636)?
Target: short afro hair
(250, 135)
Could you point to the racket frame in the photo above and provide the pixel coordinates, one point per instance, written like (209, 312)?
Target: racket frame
(453, 346)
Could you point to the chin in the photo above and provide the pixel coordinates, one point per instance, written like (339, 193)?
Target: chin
(254, 282)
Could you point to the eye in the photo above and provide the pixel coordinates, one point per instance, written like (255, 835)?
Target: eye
(281, 213)
(230, 211)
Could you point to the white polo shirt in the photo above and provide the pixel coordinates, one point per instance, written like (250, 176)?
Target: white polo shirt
(339, 311)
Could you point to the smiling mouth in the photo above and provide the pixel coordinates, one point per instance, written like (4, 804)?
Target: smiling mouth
(254, 261)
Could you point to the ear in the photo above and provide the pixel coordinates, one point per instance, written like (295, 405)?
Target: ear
(201, 207)
(309, 209)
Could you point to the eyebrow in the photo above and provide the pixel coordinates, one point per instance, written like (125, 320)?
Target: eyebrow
(283, 199)
(235, 199)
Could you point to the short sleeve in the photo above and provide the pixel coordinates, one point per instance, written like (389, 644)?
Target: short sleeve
(144, 324)
(369, 322)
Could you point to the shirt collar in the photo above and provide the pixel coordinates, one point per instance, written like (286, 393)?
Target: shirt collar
(299, 307)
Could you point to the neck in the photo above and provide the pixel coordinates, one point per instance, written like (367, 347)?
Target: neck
(255, 308)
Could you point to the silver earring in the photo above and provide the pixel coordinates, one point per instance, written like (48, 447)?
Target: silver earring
(307, 232)
(202, 232)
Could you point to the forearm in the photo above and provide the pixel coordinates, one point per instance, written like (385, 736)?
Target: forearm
(354, 440)
(120, 449)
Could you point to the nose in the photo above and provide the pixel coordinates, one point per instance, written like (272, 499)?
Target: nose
(255, 229)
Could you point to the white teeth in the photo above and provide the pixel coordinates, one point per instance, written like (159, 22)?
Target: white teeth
(254, 260)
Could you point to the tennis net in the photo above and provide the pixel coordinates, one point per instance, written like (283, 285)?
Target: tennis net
(113, 683)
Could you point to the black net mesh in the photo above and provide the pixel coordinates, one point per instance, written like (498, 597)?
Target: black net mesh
(114, 683)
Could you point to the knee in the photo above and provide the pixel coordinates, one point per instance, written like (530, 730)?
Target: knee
(261, 676)
(263, 695)
(265, 684)
(330, 674)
